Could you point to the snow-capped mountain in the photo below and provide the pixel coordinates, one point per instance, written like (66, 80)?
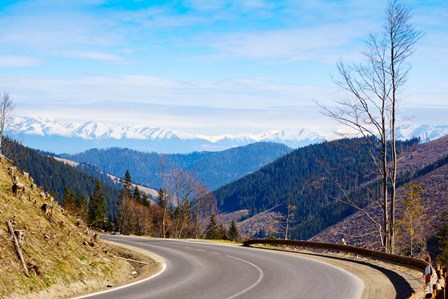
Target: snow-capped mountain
(64, 137)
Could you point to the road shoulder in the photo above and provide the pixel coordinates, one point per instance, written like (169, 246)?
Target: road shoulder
(131, 265)
(381, 280)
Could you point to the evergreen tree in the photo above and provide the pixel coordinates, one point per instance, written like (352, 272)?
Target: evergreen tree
(222, 232)
(145, 200)
(69, 200)
(137, 195)
(233, 233)
(97, 207)
(124, 212)
(211, 232)
(126, 188)
(161, 199)
(54, 175)
(82, 205)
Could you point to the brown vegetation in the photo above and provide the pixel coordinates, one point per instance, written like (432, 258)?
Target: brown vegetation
(55, 251)
(358, 230)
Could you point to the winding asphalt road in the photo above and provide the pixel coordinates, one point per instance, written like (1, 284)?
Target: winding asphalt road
(203, 270)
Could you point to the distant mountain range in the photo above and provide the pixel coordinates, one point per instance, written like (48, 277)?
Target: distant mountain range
(65, 137)
(215, 169)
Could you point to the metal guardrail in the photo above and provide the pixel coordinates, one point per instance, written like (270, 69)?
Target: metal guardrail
(426, 268)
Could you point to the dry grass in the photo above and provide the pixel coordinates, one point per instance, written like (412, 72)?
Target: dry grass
(62, 252)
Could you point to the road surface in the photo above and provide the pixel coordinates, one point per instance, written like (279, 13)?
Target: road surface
(204, 270)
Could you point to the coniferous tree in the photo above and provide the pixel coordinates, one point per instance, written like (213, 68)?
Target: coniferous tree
(137, 195)
(127, 184)
(69, 200)
(222, 232)
(97, 207)
(233, 233)
(161, 198)
(211, 232)
(54, 175)
(82, 205)
(124, 205)
(145, 200)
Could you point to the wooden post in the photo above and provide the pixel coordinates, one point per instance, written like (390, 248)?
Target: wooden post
(17, 247)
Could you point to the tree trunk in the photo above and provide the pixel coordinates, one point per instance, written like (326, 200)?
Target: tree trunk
(17, 247)
(287, 225)
(393, 170)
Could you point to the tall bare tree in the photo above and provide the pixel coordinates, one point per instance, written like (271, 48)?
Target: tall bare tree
(370, 108)
(6, 110)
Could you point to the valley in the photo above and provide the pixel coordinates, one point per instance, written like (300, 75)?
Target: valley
(223, 149)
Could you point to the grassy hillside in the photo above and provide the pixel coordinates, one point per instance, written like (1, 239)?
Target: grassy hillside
(215, 169)
(57, 251)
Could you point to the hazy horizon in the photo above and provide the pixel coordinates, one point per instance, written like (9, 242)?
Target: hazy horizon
(201, 67)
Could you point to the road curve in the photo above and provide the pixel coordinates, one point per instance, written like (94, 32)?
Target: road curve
(203, 270)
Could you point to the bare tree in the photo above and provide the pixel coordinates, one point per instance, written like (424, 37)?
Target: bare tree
(189, 197)
(6, 110)
(202, 208)
(370, 108)
(290, 214)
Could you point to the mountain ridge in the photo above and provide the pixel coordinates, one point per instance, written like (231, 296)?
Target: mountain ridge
(213, 168)
(74, 137)
(428, 165)
(309, 178)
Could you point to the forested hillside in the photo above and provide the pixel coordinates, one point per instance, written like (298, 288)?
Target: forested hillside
(312, 178)
(54, 176)
(426, 168)
(215, 169)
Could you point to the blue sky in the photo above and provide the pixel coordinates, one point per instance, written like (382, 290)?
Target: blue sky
(202, 66)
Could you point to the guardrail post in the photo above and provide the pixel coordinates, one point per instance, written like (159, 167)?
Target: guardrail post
(440, 286)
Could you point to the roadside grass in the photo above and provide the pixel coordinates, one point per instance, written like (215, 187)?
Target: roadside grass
(58, 252)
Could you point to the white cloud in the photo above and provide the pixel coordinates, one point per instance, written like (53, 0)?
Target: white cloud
(18, 61)
(294, 44)
(96, 55)
(238, 93)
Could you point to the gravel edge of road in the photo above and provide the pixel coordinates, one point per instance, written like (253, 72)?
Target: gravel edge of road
(144, 265)
(381, 279)
(129, 258)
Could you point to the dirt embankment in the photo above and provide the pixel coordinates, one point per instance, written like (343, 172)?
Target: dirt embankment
(129, 264)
